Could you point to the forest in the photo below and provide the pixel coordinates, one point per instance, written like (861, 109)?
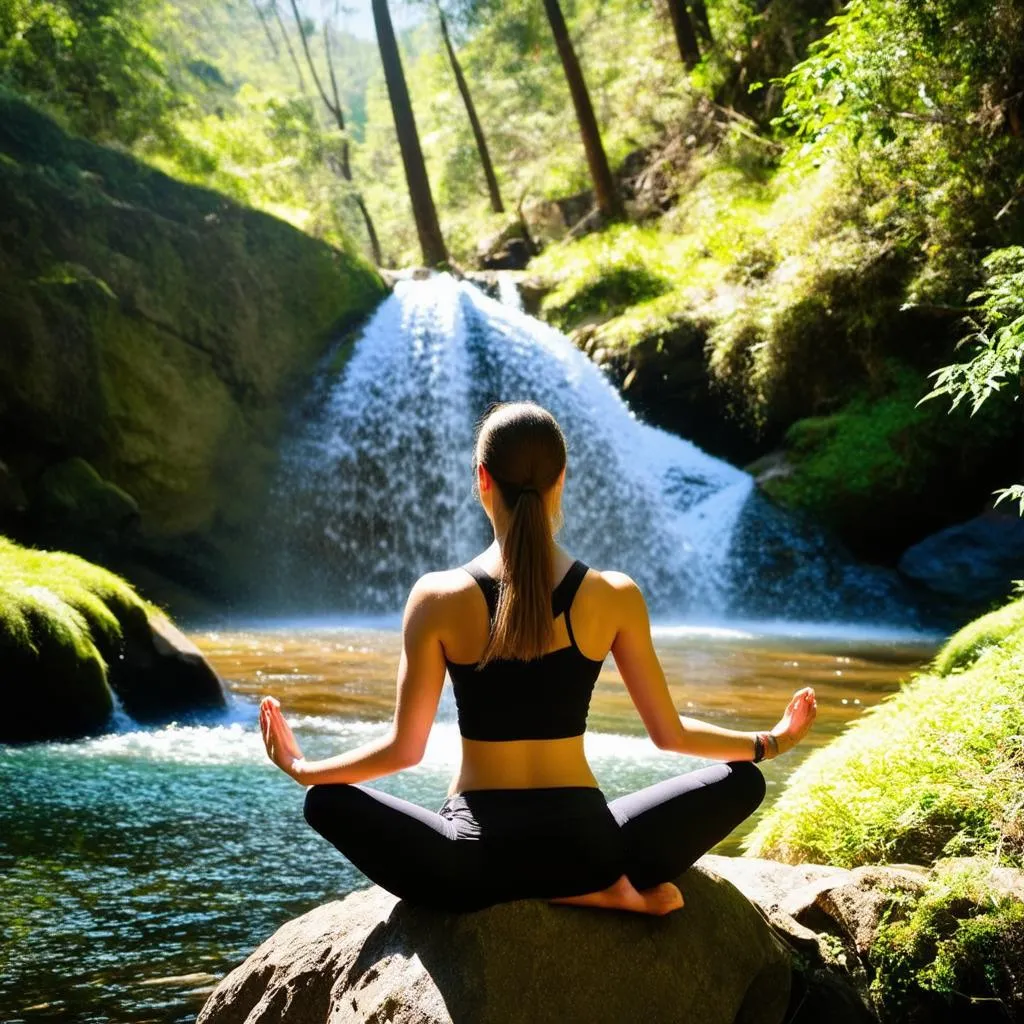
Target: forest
(789, 233)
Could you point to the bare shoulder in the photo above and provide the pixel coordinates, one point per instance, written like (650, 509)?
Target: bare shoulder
(616, 581)
(441, 588)
(441, 598)
(619, 592)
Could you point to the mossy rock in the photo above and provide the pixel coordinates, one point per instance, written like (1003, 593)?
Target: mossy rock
(72, 494)
(157, 331)
(953, 952)
(933, 771)
(884, 471)
(72, 635)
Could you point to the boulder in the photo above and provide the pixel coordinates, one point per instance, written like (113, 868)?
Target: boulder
(970, 564)
(73, 501)
(72, 635)
(371, 957)
(163, 674)
(159, 332)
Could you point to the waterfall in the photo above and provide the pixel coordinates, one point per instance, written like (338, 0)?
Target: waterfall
(375, 482)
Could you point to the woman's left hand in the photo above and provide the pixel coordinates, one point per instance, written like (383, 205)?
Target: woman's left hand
(282, 747)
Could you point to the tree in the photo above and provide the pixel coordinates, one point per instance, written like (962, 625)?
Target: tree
(266, 28)
(334, 106)
(435, 253)
(478, 133)
(291, 50)
(686, 38)
(700, 18)
(600, 173)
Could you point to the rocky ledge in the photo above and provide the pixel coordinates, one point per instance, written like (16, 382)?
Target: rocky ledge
(757, 941)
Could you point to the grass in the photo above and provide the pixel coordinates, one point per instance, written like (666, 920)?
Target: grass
(935, 771)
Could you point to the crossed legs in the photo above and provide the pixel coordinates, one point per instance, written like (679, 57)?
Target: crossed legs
(668, 826)
(419, 856)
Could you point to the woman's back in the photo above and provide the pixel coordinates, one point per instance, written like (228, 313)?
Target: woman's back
(522, 722)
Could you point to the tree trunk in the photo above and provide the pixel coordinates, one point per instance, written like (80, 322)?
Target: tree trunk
(686, 38)
(600, 173)
(371, 231)
(291, 51)
(700, 18)
(432, 244)
(266, 28)
(346, 168)
(309, 62)
(478, 133)
(339, 119)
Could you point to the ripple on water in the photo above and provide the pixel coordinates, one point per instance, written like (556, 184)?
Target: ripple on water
(139, 865)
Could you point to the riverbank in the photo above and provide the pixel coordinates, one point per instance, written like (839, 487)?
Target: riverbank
(934, 776)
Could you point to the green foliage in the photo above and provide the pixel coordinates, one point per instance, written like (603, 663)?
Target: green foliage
(916, 99)
(197, 90)
(94, 62)
(996, 341)
(978, 637)
(881, 450)
(606, 275)
(961, 940)
(995, 344)
(936, 770)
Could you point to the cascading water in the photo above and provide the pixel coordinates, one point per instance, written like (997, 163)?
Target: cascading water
(375, 485)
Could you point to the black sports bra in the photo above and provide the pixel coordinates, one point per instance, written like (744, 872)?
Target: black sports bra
(544, 699)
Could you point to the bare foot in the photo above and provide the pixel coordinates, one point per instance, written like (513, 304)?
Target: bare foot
(658, 901)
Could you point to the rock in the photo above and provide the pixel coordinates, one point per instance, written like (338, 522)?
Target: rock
(72, 635)
(773, 466)
(13, 501)
(515, 254)
(73, 499)
(510, 249)
(971, 564)
(159, 332)
(664, 377)
(164, 675)
(371, 957)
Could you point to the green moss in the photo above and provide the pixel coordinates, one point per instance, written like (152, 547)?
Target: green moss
(63, 622)
(996, 633)
(936, 770)
(158, 331)
(605, 276)
(881, 467)
(961, 941)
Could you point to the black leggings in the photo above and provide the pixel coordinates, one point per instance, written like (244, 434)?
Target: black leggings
(495, 845)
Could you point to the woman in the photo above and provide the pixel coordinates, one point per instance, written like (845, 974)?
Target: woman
(523, 631)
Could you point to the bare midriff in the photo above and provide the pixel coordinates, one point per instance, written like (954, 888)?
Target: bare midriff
(522, 764)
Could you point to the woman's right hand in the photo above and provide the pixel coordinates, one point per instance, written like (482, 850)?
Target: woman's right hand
(797, 719)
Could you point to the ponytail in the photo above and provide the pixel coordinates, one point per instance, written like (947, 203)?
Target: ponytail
(524, 451)
(523, 627)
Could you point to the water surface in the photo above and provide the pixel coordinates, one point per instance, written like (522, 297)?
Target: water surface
(136, 868)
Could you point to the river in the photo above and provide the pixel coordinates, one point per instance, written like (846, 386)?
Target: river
(137, 867)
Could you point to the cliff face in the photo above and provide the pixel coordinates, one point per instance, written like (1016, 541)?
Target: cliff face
(157, 331)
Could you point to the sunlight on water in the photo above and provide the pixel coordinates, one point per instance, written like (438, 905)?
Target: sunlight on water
(139, 866)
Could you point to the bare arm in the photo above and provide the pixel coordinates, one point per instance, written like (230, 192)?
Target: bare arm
(641, 671)
(421, 669)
